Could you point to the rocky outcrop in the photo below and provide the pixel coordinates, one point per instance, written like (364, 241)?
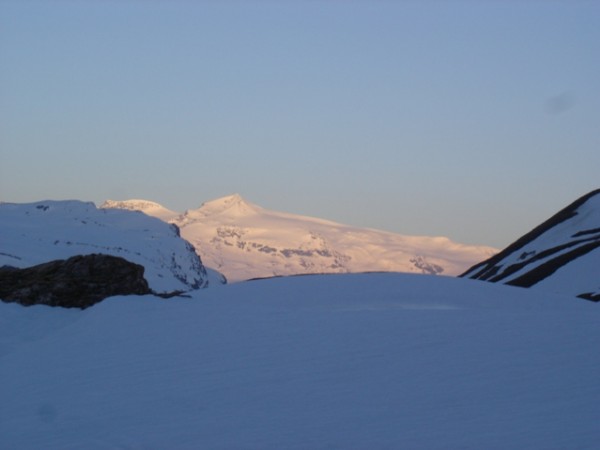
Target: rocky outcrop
(36, 233)
(77, 282)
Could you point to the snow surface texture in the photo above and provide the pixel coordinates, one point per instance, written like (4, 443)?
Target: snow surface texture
(561, 255)
(35, 233)
(371, 361)
(244, 241)
(151, 208)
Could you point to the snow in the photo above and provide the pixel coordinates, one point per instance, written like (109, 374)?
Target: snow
(151, 208)
(577, 276)
(586, 218)
(338, 361)
(243, 240)
(232, 205)
(34, 233)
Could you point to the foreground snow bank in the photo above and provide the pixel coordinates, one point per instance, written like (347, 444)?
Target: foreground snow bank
(345, 361)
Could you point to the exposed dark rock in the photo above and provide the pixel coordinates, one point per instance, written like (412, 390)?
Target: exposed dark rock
(590, 296)
(544, 255)
(426, 267)
(481, 271)
(77, 282)
(548, 268)
(586, 232)
(561, 241)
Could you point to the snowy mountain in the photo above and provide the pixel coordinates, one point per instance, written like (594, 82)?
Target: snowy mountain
(371, 361)
(561, 255)
(150, 208)
(35, 233)
(243, 241)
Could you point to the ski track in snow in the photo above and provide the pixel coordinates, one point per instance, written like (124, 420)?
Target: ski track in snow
(381, 361)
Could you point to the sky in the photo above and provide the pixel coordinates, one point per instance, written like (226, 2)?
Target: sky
(471, 120)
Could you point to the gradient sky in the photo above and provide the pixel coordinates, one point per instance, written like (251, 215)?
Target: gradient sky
(472, 120)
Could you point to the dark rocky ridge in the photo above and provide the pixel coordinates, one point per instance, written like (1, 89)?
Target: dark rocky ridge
(486, 269)
(77, 282)
(523, 263)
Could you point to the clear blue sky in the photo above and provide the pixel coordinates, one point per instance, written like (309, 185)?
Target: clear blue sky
(473, 120)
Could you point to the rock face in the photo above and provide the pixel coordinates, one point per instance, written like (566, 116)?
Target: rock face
(561, 255)
(77, 282)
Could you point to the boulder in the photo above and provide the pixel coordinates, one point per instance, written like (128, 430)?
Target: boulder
(77, 282)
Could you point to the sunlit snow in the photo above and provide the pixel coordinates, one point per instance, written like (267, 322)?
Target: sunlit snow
(243, 241)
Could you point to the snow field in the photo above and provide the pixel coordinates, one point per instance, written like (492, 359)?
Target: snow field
(339, 361)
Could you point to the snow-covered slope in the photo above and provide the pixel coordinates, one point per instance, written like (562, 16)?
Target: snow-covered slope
(561, 255)
(373, 361)
(34, 233)
(150, 208)
(244, 241)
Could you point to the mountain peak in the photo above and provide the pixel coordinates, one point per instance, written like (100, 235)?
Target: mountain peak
(234, 205)
(228, 200)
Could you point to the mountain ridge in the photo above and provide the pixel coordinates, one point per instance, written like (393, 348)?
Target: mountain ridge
(564, 247)
(244, 240)
(39, 232)
(148, 207)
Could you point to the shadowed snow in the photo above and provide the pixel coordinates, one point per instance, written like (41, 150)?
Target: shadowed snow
(340, 361)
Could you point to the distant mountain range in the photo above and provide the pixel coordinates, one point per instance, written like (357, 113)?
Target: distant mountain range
(561, 255)
(241, 240)
(244, 241)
